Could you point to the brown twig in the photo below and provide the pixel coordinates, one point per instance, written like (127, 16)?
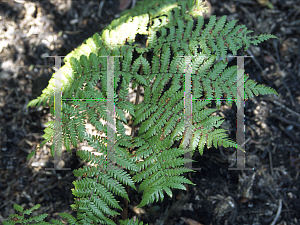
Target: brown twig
(271, 163)
(284, 107)
(278, 212)
(100, 8)
(52, 186)
(255, 60)
(133, 3)
(125, 208)
(275, 44)
(290, 93)
(285, 120)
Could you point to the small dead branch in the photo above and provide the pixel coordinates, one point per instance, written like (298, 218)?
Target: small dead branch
(278, 212)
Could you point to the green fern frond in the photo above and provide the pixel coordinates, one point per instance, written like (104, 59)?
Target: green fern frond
(173, 29)
(15, 218)
(131, 222)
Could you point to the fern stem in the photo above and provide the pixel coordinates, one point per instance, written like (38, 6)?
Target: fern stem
(125, 208)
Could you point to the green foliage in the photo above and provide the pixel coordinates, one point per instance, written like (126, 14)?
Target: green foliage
(131, 222)
(153, 158)
(19, 219)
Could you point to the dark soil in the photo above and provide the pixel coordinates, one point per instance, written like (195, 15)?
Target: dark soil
(269, 194)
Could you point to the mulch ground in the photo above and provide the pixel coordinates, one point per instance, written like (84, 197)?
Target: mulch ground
(29, 31)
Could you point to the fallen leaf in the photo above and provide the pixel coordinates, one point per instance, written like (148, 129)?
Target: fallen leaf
(266, 3)
(268, 59)
(124, 4)
(190, 221)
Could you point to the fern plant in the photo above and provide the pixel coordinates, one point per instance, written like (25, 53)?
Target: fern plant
(154, 157)
(15, 218)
